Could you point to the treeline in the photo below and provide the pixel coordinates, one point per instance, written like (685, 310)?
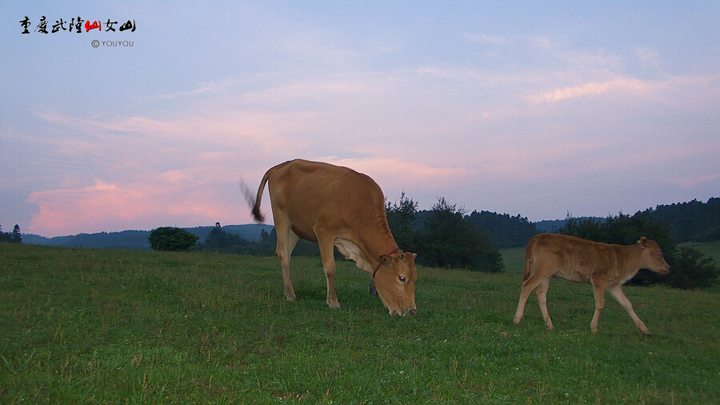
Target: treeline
(504, 230)
(136, 239)
(12, 237)
(691, 221)
(689, 268)
(444, 236)
(447, 237)
(220, 241)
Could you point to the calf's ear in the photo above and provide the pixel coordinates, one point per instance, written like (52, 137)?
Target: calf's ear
(643, 241)
(385, 259)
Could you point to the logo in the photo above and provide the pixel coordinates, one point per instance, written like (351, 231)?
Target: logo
(109, 44)
(75, 25)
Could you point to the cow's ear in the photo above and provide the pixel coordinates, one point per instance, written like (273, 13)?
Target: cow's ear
(385, 259)
(643, 241)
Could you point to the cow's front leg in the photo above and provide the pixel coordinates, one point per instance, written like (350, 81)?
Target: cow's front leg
(625, 302)
(328, 260)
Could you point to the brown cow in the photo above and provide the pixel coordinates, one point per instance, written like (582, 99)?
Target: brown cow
(336, 206)
(602, 265)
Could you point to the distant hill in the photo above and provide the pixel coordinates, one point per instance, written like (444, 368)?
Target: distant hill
(137, 240)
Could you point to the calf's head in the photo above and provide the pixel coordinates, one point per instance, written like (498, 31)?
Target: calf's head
(652, 256)
(395, 283)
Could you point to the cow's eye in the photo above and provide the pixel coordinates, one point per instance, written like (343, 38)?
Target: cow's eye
(401, 278)
(659, 253)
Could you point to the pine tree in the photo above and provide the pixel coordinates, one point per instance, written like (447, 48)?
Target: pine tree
(15, 237)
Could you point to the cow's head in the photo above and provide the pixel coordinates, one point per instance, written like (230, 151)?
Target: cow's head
(395, 283)
(652, 256)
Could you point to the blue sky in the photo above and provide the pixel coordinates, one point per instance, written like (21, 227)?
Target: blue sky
(530, 108)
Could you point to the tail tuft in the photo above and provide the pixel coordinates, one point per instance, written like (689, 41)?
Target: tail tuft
(252, 202)
(258, 215)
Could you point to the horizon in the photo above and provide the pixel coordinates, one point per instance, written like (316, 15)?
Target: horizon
(531, 108)
(569, 215)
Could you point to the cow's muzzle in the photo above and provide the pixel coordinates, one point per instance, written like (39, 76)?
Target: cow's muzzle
(407, 311)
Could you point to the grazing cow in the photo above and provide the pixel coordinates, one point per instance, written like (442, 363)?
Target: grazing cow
(602, 265)
(335, 206)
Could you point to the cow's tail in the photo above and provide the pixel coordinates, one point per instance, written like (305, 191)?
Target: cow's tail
(528, 260)
(254, 201)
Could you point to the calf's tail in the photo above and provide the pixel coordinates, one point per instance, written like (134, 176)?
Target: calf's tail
(528, 260)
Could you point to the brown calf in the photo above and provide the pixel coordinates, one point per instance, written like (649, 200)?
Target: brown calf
(604, 266)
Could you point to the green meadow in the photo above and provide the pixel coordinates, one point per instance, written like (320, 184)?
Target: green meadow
(84, 326)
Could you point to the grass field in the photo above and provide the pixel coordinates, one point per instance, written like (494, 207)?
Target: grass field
(711, 249)
(105, 326)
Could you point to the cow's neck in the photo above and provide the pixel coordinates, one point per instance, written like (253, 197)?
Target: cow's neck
(366, 252)
(379, 246)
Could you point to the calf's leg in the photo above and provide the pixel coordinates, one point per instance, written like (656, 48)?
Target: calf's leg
(625, 302)
(541, 293)
(527, 287)
(599, 292)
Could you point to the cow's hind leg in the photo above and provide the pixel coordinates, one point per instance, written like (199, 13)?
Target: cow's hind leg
(625, 302)
(327, 246)
(286, 241)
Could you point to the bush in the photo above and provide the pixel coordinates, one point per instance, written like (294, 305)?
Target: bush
(692, 269)
(444, 239)
(171, 239)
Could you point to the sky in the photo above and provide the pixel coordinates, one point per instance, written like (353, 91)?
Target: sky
(529, 108)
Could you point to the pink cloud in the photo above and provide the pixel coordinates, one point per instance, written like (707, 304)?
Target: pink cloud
(114, 207)
(591, 89)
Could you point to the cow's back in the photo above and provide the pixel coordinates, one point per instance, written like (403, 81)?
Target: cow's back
(312, 193)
